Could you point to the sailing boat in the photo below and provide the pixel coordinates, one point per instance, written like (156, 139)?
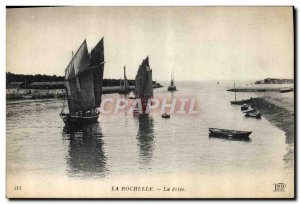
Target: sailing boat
(240, 102)
(172, 87)
(143, 85)
(83, 82)
(125, 88)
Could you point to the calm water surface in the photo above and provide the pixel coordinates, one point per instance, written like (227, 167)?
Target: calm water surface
(38, 143)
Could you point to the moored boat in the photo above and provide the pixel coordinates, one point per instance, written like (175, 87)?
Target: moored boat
(165, 115)
(225, 133)
(249, 110)
(241, 102)
(172, 87)
(253, 114)
(244, 107)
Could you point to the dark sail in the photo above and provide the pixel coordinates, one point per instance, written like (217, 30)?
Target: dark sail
(79, 62)
(97, 63)
(84, 77)
(143, 81)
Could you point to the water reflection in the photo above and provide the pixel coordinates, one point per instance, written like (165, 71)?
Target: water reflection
(212, 136)
(86, 156)
(145, 139)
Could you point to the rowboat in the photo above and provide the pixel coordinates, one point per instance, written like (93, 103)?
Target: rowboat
(284, 90)
(224, 133)
(244, 107)
(254, 114)
(165, 115)
(249, 110)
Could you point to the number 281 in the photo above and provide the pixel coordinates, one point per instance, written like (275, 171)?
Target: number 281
(17, 188)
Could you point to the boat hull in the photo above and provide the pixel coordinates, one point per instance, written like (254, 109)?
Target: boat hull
(241, 102)
(253, 115)
(172, 88)
(144, 104)
(284, 90)
(166, 116)
(79, 120)
(228, 134)
(244, 108)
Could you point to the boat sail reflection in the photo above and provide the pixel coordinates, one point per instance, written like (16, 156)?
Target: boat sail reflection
(86, 155)
(145, 138)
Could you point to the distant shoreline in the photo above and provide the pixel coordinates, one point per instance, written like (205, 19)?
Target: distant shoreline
(23, 94)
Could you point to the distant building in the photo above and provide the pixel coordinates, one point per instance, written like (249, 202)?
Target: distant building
(15, 85)
(275, 81)
(47, 85)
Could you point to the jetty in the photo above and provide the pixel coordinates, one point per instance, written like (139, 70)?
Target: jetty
(279, 111)
(262, 89)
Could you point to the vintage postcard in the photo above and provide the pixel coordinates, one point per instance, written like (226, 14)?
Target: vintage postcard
(150, 102)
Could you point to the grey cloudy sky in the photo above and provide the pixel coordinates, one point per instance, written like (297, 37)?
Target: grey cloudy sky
(200, 43)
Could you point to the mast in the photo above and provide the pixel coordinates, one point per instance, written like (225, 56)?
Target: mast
(97, 64)
(172, 77)
(126, 85)
(234, 91)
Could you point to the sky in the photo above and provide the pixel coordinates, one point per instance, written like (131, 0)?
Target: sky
(199, 43)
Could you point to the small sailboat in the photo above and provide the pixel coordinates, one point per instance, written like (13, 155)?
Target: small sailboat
(143, 86)
(239, 102)
(125, 86)
(286, 89)
(83, 82)
(172, 87)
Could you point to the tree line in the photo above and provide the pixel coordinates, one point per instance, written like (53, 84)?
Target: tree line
(29, 79)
